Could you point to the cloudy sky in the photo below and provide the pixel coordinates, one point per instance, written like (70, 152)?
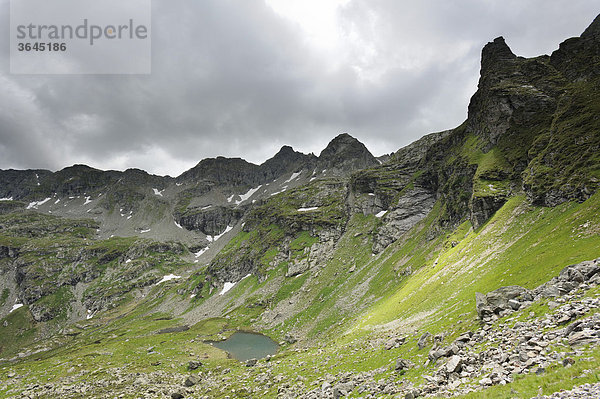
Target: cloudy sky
(241, 78)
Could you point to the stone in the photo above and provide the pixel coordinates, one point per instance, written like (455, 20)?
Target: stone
(568, 361)
(485, 381)
(289, 339)
(251, 362)
(423, 340)
(191, 380)
(582, 338)
(194, 365)
(403, 365)
(176, 395)
(454, 364)
(394, 342)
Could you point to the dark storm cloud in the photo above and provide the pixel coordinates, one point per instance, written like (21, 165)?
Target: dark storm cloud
(234, 78)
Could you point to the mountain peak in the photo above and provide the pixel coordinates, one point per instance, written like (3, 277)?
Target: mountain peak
(346, 153)
(495, 52)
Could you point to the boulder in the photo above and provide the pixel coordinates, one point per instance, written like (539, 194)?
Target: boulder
(504, 298)
(454, 364)
(423, 340)
(403, 365)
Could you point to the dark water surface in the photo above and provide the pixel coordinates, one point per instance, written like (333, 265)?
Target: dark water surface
(243, 346)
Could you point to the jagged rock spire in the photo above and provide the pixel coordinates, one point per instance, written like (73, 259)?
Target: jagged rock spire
(495, 53)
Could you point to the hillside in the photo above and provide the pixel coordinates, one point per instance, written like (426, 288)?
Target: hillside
(466, 263)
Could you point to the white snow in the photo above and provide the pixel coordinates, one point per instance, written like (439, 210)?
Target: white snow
(129, 217)
(215, 238)
(312, 178)
(178, 184)
(145, 231)
(177, 224)
(249, 194)
(193, 296)
(87, 200)
(284, 188)
(230, 198)
(90, 314)
(157, 192)
(35, 204)
(227, 286)
(168, 277)
(372, 194)
(314, 208)
(293, 177)
(6, 199)
(15, 307)
(203, 250)
(57, 201)
(206, 207)
(128, 261)
(380, 214)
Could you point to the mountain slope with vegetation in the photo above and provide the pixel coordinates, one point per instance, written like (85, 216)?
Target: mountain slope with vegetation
(377, 279)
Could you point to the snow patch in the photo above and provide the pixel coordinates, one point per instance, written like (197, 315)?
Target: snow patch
(168, 277)
(57, 201)
(205, 207)
(215, 238)
(193, 296)
(145, 231)
(87, 200)
(314, 208)
(227, 286)
(35, 204)
(293, 177)
(230, 198)
(372, 194)
(203, 250)
(90, 314)
(15, 307)
(249, 194)
(8, 199)
(128, 261)
(380, 214)
(177, 224)
(157, 192)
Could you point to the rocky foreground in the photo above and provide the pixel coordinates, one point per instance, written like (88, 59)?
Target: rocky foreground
(511, 341)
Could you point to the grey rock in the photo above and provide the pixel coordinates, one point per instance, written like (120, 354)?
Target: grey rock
(194, 364)
(423, 340)
(454, 364)
(191, 380)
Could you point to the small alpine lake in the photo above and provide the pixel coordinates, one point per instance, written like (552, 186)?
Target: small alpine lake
(244, 346)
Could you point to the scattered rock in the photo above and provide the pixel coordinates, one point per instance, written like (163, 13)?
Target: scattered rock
(194, 365)
(191, 380)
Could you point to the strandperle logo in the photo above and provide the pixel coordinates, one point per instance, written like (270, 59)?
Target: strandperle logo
(85, 31)
(80, 36)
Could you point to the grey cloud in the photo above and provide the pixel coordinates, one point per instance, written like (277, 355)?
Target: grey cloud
(235, 79)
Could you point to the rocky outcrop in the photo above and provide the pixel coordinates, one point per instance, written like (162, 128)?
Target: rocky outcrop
(212, 221)
(411, 208)
(508, 299)
(502, 299)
